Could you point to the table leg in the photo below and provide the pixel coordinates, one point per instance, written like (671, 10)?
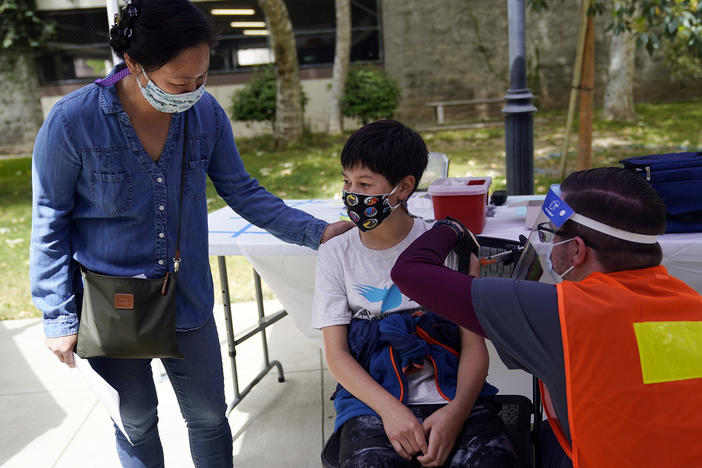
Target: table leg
(231, 347)
(263, 322)
(261, 318)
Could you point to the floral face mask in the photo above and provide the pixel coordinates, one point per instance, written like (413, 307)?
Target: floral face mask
(167, 102)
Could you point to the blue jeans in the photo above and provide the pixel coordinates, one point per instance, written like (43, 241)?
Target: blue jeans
(198, 382)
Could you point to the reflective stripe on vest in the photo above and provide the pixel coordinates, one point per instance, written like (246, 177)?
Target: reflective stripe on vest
(632, 344)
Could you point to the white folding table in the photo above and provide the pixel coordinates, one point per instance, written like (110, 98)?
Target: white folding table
(289, 269)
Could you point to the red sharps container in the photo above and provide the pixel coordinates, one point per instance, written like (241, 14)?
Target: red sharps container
(463, 198)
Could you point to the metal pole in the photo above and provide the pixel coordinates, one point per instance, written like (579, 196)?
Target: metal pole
(231, 342)
(112, 10)
(261, 314)
(519, 121)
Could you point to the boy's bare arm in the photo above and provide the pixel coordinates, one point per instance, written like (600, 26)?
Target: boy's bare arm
(401, 426)
(445, 424)
(472, 370)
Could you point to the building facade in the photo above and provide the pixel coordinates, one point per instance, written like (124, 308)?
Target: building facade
(438, 51)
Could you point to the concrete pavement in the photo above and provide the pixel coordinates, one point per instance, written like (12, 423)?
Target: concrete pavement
(49, 417)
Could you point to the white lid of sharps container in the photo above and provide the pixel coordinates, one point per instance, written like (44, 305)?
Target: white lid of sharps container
(459, 186)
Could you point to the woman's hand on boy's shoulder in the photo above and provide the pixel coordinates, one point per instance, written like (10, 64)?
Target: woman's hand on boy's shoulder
(334, 229)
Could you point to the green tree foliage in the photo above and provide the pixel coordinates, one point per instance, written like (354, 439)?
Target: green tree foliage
(652, 21)
(20, 27)
(255, 102)
(674, 20)
(682, 66)
(370, 94)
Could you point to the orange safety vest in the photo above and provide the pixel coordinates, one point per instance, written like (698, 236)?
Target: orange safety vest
(632, 343)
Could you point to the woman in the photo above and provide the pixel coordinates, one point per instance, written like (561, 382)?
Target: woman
(106, 187)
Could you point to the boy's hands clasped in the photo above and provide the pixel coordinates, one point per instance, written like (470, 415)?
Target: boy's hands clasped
(405, 432)
(431, 443)
(443, 428)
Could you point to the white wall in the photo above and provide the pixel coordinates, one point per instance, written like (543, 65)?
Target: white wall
(69, 4)
(77, 4)
(316, 110)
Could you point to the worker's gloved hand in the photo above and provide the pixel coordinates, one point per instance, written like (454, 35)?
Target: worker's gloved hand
(466, 244)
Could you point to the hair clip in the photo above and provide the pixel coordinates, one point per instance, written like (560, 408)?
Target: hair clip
(117, 19)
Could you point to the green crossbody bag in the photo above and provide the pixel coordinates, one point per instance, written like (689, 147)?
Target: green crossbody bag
(131, 317)
(127, 317)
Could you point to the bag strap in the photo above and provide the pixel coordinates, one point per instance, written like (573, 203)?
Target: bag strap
(177, 258)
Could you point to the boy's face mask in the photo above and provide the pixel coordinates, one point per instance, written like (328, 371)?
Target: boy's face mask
(368, 211)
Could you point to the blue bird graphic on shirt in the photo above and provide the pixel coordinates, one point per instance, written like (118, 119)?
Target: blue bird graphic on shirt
(391, 297)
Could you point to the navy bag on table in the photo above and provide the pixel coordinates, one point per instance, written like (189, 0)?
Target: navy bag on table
(677, 178)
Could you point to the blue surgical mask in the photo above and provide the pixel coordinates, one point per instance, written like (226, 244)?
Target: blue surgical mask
(167, 102)
(557, 277)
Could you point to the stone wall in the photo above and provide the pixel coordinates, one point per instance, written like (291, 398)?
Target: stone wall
(454, 49)
(20, 108)
(458, 49)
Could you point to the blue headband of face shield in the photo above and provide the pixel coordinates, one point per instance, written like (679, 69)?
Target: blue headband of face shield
(558, 212)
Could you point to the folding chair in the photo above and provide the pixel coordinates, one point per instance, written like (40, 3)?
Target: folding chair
(516, 415)
(437, 167)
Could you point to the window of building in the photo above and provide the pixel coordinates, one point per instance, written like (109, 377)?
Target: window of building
(79, 51)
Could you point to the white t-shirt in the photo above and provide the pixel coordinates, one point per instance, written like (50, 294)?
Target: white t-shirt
(354, 281)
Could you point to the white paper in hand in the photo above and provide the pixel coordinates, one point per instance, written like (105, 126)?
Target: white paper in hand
(108, 396)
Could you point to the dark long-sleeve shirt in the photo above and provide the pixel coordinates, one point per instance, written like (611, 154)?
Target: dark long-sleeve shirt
(421, 275)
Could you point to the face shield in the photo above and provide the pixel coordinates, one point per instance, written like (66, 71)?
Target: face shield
(533, 263)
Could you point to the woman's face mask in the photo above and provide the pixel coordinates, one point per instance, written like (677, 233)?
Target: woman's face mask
(368, 211)
(167, 102)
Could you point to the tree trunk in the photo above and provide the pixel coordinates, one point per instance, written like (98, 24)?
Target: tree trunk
(20, 105)
(619, 94)
(587, 104)
(576, 81)
(342, 55)
(288, 110)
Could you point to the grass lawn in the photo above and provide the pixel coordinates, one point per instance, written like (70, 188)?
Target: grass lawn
(15, 226)
(311, 170)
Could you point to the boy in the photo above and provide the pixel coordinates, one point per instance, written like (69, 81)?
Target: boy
(408, 379)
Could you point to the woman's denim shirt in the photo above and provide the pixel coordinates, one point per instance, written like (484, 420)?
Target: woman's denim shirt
(99, 200)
